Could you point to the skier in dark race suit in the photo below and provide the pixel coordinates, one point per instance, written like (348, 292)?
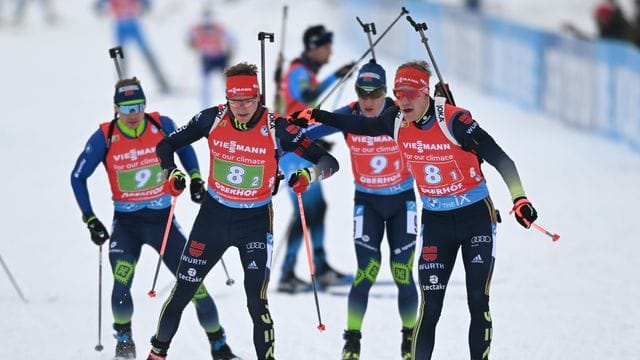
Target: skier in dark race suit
(442, 145)
(126, 147)
(245, 141)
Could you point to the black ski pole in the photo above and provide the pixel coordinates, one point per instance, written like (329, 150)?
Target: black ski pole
(421, 28)
(344, 78)
(114, 53)
(99, 347)
(261, 37)
(369, 29)
(230, 281)
(13, 281)
(280, 63)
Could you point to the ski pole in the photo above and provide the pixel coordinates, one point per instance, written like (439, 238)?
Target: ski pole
(353, 68)
(278, 73)
(307, 245)
(13, 281)
(554, 237)
(369, 29)
(261, 37)
(420, 28)
(230, 281)
(152, 292)
(114, 53)
(99, 347)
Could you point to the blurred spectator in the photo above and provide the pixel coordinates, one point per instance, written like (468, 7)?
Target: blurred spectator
(610, 21)
(214, 45)
(127, 28)
(473, 5)
(49, 14)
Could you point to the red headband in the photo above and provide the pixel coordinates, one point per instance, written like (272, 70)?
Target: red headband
(411, 77)
(242, 86)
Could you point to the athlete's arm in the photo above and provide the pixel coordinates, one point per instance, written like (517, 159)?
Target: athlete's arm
(197, 128)
(360, 125)
(473, 138)
(292, 139)
(86, 164)
(186, 153)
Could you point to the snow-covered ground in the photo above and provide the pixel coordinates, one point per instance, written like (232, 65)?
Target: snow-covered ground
(575, 299)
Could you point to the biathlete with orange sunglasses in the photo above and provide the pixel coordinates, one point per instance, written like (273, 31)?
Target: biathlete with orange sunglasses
(442, 145)
(245, 141)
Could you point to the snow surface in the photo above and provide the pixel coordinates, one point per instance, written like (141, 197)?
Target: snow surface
(575, 299)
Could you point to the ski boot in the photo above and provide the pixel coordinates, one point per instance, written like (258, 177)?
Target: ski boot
(407, 342)
(328, 276)
(125, 348)
(220, 350)
(291, 284)
(351, 349)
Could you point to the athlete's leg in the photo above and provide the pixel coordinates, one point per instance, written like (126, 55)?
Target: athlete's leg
(208, 242)
(252, 235)
(124, 251)
(205, 307)
(436, 261)
(401, 232)
(368, 230)
(294, 239)
(478, 254)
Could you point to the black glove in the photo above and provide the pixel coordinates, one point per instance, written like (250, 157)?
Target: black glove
(99, 233)
(197, 190)
(441, 90)
(344, 70)
(524, 212)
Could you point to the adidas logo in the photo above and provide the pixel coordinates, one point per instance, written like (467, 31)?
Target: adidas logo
(252, 266)
(477, 260)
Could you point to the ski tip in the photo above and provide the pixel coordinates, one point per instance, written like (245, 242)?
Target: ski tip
(321, 328)
(152, 294)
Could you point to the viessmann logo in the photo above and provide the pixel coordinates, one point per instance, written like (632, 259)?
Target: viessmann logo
(133, 154)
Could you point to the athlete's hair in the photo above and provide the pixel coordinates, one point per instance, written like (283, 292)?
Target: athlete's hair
(242, 68)
(419, 65)
(130, 81)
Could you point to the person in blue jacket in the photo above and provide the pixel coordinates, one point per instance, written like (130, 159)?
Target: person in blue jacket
(126, 147)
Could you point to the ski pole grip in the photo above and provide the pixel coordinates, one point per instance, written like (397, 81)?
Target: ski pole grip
(264, 35)
(115, 52)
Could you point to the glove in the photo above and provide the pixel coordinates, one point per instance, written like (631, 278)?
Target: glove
(197, 190)
(300, 180)
(176, 182)
(441, 90)
(524, 212)
(303, 118)
(344, 69)
(99, 233)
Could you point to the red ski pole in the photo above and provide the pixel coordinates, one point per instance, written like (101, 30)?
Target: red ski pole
(307, 245)
(152, 292)
(554, 237)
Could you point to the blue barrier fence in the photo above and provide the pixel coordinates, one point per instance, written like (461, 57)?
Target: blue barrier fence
(590, 85)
